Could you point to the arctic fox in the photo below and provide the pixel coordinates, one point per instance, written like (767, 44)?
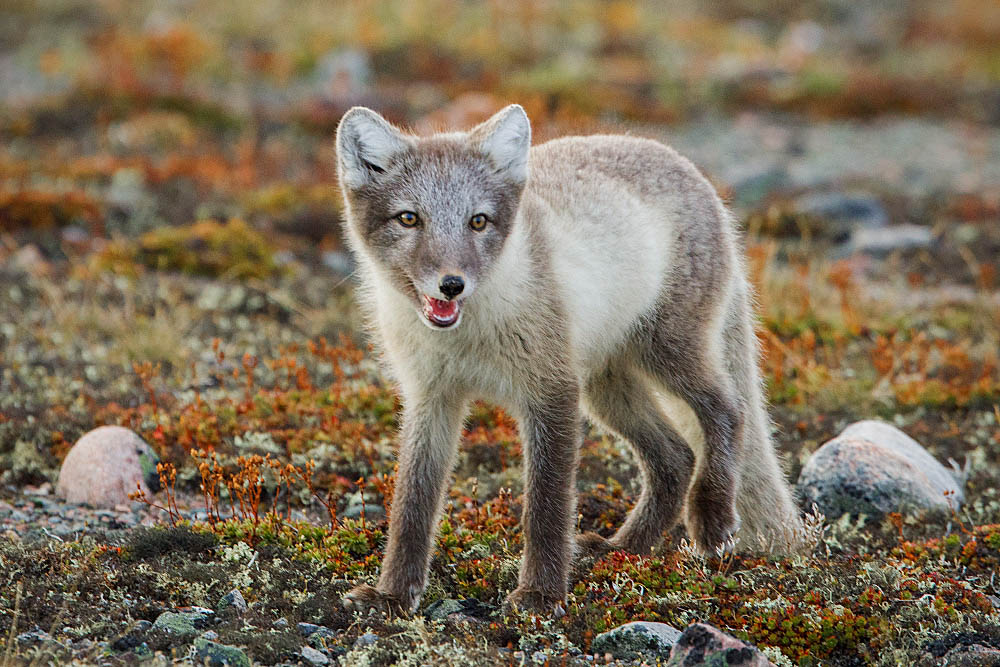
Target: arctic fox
(592, 275)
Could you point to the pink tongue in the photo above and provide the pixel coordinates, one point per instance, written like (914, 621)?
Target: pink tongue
(443, 309)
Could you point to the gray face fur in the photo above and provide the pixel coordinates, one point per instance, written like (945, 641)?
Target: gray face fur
(445, 180)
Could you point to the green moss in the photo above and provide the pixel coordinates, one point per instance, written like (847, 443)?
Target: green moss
(207, 248)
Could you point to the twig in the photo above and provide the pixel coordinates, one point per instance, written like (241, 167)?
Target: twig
(13, 625)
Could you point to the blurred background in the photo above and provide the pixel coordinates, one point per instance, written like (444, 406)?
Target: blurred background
(171, 261)
(168, 189)
(118, 118)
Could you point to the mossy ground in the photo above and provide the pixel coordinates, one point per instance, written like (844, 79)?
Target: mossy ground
(171, 262)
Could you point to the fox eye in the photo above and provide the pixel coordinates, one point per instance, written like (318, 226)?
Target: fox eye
(478, 222)
(408, 219)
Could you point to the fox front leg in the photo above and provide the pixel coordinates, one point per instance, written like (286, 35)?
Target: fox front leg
(430, 432)
(550, 429)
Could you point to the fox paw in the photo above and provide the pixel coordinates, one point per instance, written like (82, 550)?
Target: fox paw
(364, 598)
(712, 521)
(535, 602)
(592, 545)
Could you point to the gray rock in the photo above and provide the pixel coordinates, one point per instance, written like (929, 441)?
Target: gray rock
(105, 465)
(127, 191)
(338, 261)
(306, 629)
(842, 213)
(219, 655)
(631, 640)
(874, 468)
(314, 657)
(281, 623)
(343, 74)
(752, 189)
(183, 623)
(317, 635)
(440, 610)
(232, 603)
(373, 512)
(881, 241)
(456, 610)
(366, 639)
(36, 636)
(133, 638)
(703, 644)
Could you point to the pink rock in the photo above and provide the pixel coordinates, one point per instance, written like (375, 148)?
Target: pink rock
(703, 644)
(105, 465)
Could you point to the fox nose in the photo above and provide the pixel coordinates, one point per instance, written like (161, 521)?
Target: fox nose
(451, 286)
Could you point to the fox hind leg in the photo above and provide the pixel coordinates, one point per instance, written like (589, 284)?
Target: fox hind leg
(620, 399)
(681, 364)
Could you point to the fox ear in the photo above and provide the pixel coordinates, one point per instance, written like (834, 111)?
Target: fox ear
(366, 144)
(506, 139)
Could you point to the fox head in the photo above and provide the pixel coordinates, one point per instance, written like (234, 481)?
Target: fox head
(433, 213)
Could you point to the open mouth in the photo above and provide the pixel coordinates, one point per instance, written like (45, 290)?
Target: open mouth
(441, 313)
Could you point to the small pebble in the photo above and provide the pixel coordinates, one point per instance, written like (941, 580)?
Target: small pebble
(314, 657)
(232, 602)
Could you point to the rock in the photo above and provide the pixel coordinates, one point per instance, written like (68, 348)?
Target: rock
(343, 75)
(133, 638)
(29, 259)
(232, 603)
(752, 189)
(281, 623)
(881, 241)
(800, 39)
(703, 644)
(314, 657)
(306, 629)
(105, 465)
(127, 189)
(366, 639)
(217, 655)
(317, 635)
(840, 214)
(35, 636)
(42, 643)
(338, 261)
(456, 610)
(631, 640)
(973, 655)
(373, 512)
(182, 623)
(440, 610)
(874, 468)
